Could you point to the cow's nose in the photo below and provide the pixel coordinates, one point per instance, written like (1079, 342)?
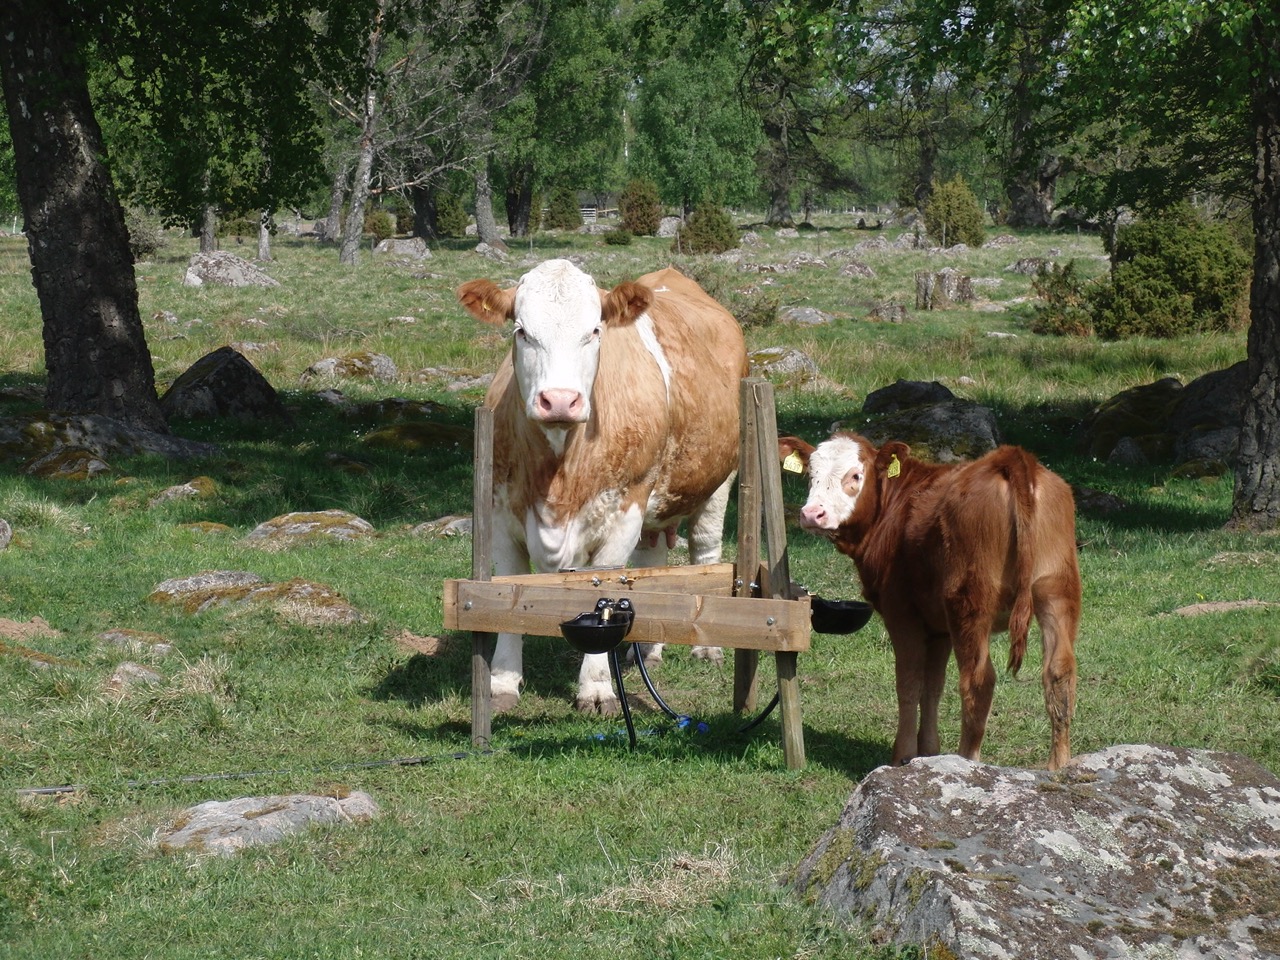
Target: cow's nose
(558, 405)
(813, 515)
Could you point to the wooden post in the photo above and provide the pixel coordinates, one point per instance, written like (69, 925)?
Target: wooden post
(482, 569)
(778, 566)
(746, 662)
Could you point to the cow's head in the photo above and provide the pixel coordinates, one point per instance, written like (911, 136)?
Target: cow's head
(559, 318)
(844, 472)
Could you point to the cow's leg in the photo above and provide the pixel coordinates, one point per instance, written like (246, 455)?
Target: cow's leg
(706, 543)
(1057, 605)
(909, 673)
(937, 653)
(506, 671)
(595, 683)
(972, 645)
(651, 551)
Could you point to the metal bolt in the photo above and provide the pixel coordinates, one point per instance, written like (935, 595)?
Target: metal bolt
(770, 622)
(595, 581)
(737, 583)
(467, 605)
(624, 579)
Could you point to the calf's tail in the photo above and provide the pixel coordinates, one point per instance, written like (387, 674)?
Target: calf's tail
(1022, 477)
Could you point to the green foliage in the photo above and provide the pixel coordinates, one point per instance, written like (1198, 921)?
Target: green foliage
(451, 215)
(1065, 309)
(1173, 274)
(146, 233)
(640, 207)
(237, 225)
(953, 215)
(563, 212)
(380, 224)
(709, 229)
(618, 238)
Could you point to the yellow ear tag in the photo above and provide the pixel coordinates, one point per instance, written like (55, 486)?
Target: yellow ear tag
(895, 467)
(793, 463)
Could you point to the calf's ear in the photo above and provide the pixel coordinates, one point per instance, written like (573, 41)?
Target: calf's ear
(794, 454)
(484, 301)
(624, 303)
(889, 458)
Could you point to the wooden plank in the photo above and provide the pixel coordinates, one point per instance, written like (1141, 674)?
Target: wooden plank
(711, 579)
(680, 618)
(746, 662)
(481, 568)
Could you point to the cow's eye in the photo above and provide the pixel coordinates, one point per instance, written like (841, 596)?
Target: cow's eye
(520, 334)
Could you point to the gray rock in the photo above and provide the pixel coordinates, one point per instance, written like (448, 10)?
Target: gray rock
(310, 525)
(945, 432)
(805, 316)
(858, 269)
(224, 827)
(784, 364)
(450, 526)
(1131, 852)
(1030, 266)
(411, 248)
(226, 270)
(6, 534)
(363, 365)
(103, 436)
(222, 384)
(905, 393)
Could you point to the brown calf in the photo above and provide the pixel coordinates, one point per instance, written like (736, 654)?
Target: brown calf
(948, 555)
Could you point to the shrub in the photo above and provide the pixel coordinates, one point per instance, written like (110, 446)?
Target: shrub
(146, 233)
(563, 212)
(1172, 275)
(451, 216)
(404, 219)
(379, 223)
(709, 229)
(640, 208)
(618, 238)
(1066, 310)
(953, 215)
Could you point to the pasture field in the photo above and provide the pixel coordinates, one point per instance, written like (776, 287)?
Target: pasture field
(558, 843)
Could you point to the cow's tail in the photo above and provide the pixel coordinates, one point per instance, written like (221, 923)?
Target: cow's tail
(1022, 480)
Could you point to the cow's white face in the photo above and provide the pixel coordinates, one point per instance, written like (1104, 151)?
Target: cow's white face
(556, 345)
(837, 474)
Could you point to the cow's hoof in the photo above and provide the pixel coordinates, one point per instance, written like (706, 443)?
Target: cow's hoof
(503, 702)
(651, 652)
(710, 654)
(598, 706)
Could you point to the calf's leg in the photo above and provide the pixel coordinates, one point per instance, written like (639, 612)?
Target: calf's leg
(1057, 605)
(937, 652)
(977, 686)
(909, 676)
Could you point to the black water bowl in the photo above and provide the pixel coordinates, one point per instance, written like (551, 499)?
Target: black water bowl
(838, 616)
(600, 630)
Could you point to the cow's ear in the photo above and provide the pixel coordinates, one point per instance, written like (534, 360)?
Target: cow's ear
(889, 458)
(794, 454)
(484, 301)
(624, 303)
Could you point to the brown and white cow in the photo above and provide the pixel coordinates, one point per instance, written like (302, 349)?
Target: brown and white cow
(948, 555)
(615, 419)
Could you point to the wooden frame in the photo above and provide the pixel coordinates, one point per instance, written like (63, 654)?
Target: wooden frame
(746, 607)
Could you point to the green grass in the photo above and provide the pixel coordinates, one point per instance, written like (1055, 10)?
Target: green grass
(559, 843)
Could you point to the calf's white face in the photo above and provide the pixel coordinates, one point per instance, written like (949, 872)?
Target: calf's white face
(837, 472)
(556, 347)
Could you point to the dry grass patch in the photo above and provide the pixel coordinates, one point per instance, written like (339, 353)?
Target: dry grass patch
(678, 882)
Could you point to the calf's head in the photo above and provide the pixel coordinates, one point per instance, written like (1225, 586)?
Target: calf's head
(843, 473)
(559, 319)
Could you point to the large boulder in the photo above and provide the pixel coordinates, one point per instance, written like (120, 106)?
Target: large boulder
(1134, 851)
(226, 270)
(222, 384)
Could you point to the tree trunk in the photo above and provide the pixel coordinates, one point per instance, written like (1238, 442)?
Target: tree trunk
(353, 229)
(486, 226)
(520, 202)
(95, 350)
(1256, 502)
(426, 213)
(264, 236)
(209, 229)
(337, 192)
